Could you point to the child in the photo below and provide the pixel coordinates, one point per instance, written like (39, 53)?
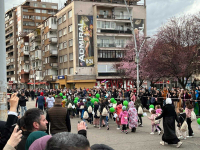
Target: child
(158, 113)
(152, 118)
(118, 111)
(96, 118)
(124, 119)
(181, 117)
(189, 108)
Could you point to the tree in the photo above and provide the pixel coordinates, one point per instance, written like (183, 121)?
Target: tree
(175, 50)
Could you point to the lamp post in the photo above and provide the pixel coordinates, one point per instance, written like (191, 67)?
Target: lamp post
(136, 49)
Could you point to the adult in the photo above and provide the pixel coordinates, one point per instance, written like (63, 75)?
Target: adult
(169, 116)
(188, 111)
(50, 102)
(40, 101)
(102, 106)
(11, 120)
(34, 120)
(32, 93)
(58, 118)
(22, 103)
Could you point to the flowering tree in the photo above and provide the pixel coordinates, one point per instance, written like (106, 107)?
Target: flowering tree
(175, 50)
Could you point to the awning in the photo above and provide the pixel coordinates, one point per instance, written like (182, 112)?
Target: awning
(30, 83)
(36, 83)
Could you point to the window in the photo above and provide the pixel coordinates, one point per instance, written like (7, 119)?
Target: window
(61, 71)
(71, 42)
(70, 28)
(25, 10)
(70, 14)
(65, 71)
(43, 5)
(44, 11)
(37, 17)
(43, 18)
(54, 7)
(64, 31)
(60, 20)
(61, 59)
(65, 58)
(65, 44)
(37, 10)
(60, 33)
(60, 46)
(71, 71)
(37, 24)
(64, 17)
(35, 4)
(71, 56)
(198, 54)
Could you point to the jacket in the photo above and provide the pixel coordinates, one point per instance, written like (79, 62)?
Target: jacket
(152, 118)
(40, 100)
(182, 117)
(89, 103)
(124, 117)
(59, 119)
(119, 109)
(22, 143)
(22, 101)
(8, 147)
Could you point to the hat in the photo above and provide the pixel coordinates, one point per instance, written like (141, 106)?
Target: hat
(124, 108)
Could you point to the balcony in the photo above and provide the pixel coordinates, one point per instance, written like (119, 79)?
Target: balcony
(116, 17)
(53, 40)
(50, 78)
(38, 47)
(26, 70)
(53, 52)
(115, 31)
(109, 59)
(26, 62)
(54, 65)
(26, 52)
(39, 78)
(119, 45)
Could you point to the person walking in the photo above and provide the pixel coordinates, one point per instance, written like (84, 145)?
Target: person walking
(40, 101)
(22, 104)
(32, 93)
(169, 116)
(188, 111)
(50, 102)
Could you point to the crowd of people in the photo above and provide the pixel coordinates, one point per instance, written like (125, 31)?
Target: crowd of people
(48, 132)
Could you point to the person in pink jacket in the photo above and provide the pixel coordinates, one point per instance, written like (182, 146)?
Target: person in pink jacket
(124, 119)
(152, 118)
(118, 111)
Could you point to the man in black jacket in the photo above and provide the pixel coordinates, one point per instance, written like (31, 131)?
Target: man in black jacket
(11, 121)
(22, 103)
(32, 93)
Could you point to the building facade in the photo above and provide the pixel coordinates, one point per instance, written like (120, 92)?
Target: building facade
(19, 21)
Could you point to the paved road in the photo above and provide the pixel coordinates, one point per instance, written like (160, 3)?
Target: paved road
(132, 141)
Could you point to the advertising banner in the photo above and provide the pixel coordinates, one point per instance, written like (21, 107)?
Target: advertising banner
(85, 38)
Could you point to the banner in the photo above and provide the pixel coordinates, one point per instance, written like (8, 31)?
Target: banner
(85, 38)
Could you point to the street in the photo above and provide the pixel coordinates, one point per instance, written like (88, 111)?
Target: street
(139, 140)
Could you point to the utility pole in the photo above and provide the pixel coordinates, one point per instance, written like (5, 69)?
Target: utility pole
(3, 75)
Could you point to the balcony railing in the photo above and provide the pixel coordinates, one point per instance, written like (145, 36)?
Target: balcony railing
(53, 52)
(116, 31)
(118, 17)
(120, 45)
(37, 47)
(26, 52)
(54, 65)
(53, 40)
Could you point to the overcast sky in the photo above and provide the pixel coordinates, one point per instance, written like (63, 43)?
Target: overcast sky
(158, 11)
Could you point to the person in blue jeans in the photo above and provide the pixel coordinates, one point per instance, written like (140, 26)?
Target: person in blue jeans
(22, 103)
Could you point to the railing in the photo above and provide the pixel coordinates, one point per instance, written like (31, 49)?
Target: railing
(26, 52)
(53, 40)
(115, 31)
(120, 45)
(54, 52)
(54, 65)
(119, 17)
(37, 47)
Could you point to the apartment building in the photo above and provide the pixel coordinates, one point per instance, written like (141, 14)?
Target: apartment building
(20, 21)
(92, 36)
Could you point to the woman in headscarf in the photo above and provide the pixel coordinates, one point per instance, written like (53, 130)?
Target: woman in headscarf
(169, 116)
(40, 143)
(133, 116)
(34, 136)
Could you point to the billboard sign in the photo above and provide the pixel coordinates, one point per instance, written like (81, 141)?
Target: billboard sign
(85, 41)
(19, 20)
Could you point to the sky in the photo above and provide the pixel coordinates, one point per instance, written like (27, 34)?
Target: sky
(158, 11)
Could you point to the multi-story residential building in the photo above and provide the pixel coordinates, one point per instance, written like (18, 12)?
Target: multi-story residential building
(20, 21)
(91, 39)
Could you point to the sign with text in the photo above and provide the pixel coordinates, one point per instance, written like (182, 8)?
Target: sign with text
(85, 38)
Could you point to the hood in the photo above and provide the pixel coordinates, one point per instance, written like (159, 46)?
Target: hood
(125, 112)
(119, 106)
(131, 104)
(41, 93)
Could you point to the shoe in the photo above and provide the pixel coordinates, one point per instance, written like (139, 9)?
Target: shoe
(122, 130)
(107, 127)
(162, 143)
(152, 133)
(192, 134)
(179, 144)
(118, 128)
(189, 136)
(99, 128)
(86, 127)
(159, 132)
(133, 129)
(184, 138)
(103, 126)
(180, 137)
(94, 125)
(140, 125)
(126, 132)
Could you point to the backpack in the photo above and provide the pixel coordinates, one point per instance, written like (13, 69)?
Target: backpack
(193, 116)
(89, 109)
(153, 100)
(140, 111)
(85, 115)
(105, 112)
(184, 126)
(98, 113)
(69, 105)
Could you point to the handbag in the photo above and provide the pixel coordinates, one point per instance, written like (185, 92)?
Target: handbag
(140, 111)
(184, 126)
(98, 113)
(193, 116)
(156, 121)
